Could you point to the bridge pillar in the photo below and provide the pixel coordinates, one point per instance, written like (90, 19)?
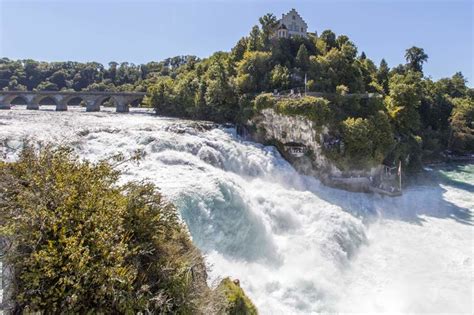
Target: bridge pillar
(4, 103)
(92, 104)
(31, 102)
(121, 104)
(61, 104)
(32, 106)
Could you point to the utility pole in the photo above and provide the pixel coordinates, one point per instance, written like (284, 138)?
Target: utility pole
(305, 83)
(400, 174)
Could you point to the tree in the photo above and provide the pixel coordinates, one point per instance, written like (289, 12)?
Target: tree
(59, 78)
(239, 49)
(382, 75)
(253, 72)
(302, 58)
(47, 86)
(254, 42)
(462, 125)
(161, 97)
(333, 69)
(357, 137)
(329, 38)
(403, 102)
(415, 57)
(280, 77)
(268, 23)
(366, 140)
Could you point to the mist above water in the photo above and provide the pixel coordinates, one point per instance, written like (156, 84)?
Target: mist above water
(297, 246)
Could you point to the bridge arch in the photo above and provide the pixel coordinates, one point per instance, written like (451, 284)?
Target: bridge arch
(47, 100)
(106, 101)
(18, 100)
(75, 101)
(136, 102)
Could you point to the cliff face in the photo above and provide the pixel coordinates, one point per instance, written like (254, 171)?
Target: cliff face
(302, 144)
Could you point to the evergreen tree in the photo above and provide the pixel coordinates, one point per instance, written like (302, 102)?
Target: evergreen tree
(382, 75)
(302, 58)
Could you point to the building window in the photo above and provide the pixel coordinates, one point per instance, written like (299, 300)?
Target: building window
(302, 30)
(294, 17)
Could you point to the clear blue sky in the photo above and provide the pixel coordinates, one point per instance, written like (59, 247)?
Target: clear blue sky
(142, 31)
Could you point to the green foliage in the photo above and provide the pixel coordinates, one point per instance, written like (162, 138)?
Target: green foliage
(162, 96)
(462, 123)
(30, 74)
(79, 243)
(237, 302)
(404, 100)
(316, 109)
(263, 101)
(382, 75)
(342, 90)
(269, 23)
(239, 49)
(280, 78)
(302, 58)
(367, 141)
(415, 57)
(333, 69)
(329, 38)
(253, 72)
(254, 42)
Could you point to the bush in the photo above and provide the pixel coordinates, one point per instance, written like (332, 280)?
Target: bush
(76, 242)
(263, 101)
(316, 109)
(237, 302)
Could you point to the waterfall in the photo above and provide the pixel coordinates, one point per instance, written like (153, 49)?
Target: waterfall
(296, 246)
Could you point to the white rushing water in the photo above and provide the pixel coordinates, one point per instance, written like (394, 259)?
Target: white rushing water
(297, 246)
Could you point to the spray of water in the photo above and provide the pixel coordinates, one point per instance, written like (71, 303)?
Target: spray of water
(297, 246)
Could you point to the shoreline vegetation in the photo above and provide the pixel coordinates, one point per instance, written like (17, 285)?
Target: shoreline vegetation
(72, 240)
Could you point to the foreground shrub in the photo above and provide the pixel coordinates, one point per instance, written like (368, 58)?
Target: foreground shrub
(76, 242)
(237, 302)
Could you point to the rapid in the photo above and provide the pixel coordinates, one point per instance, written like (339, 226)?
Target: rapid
(297, 246)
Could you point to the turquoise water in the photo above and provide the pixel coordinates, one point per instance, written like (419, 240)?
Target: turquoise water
(458, 173)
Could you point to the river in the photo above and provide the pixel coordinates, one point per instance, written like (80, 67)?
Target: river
(296, 246)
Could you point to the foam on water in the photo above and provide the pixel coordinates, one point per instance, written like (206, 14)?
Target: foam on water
(297, 246)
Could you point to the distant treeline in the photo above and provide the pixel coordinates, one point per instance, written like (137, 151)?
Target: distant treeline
(27, 75)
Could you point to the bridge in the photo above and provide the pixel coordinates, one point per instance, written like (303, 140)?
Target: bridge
(63, 99)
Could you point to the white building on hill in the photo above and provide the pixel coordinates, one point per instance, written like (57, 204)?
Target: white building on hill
(290, 25)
